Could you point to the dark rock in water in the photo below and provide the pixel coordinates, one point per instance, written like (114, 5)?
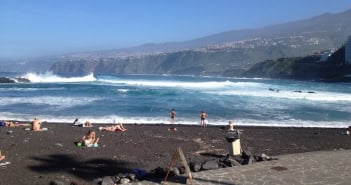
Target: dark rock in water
(6, 80)
(13, 80)
(22, 80)
(210, 165)
(195, 167)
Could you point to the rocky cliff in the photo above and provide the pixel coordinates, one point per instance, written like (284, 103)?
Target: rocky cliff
(304, 68)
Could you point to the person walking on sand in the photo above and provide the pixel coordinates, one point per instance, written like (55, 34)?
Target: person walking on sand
(173, 114)
(203, 116)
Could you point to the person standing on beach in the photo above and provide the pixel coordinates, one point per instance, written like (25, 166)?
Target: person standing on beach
(173, 114)
(203, 116)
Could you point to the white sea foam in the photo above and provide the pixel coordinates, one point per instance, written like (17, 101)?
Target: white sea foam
(316, 96)
(49, 77)
(162, 120)
(180, 84)
(31, 89)
(57, 101)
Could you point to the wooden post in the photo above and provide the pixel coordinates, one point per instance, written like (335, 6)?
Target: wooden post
(179, 153)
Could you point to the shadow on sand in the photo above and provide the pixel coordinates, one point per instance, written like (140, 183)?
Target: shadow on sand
(88, 170)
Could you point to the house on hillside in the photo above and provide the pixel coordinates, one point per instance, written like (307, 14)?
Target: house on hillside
(348, 51)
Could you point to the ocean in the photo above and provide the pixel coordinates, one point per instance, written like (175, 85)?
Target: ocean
(149, 99)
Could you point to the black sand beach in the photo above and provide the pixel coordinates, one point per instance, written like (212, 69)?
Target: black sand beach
(40, 157)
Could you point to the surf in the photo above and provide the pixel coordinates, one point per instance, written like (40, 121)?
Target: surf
(49, 77)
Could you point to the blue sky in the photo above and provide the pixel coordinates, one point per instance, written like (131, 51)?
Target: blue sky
(31, 28)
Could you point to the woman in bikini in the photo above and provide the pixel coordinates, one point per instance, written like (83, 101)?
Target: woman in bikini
(90, 139)
(114, 128)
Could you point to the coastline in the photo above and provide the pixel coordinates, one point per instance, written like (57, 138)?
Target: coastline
(39, 157)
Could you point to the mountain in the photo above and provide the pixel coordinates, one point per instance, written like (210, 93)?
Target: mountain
(228, 53)
(304, 68)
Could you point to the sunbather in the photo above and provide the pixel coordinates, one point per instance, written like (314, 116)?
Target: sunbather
(114, 128)
(80, 124)
(90, 139)
(2, 157)
(36, 125)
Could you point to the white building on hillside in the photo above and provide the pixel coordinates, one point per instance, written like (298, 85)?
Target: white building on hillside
(348, 51)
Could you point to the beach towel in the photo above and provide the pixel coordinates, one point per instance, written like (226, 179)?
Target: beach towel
(5, 163)
(29, 129)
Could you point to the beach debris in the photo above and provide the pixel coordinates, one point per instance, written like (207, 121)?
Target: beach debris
(4, 164)
(59, 144)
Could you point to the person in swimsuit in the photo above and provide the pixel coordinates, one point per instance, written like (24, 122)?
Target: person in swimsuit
(114, 128)
(203, 117)
(2, 157)
(173, 114)
(90, 139)
(36, 125)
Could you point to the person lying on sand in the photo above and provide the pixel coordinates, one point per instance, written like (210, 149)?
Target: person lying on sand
(36, 125)
(2, 157)
(114, 128)
(9, 124)
(80, 124)
(90, 139)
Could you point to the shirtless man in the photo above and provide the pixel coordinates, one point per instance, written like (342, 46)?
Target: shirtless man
(36, 125)
(203, 117)
(173, 115)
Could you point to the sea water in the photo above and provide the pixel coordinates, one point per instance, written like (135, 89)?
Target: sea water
(150, 98)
